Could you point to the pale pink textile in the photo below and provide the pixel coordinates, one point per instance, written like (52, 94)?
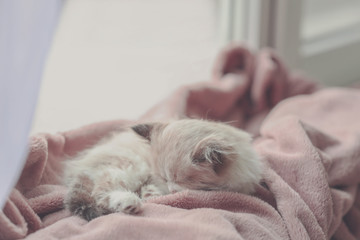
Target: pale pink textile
(310, 144)
(244, 87)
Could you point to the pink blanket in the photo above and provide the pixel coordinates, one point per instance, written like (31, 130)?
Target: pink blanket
(310, 143)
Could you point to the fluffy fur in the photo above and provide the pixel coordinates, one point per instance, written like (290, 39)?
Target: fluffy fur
(154, 159)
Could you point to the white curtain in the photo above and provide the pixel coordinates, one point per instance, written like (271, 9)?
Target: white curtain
(26, 30)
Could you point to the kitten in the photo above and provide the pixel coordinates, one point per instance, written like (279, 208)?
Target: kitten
(154, 159)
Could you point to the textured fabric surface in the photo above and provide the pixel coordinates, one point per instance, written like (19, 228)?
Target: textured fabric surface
(309, 140)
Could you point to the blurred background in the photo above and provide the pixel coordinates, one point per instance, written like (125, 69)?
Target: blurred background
(113, 59)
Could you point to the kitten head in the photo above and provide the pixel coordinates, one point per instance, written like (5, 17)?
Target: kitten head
(197, 154)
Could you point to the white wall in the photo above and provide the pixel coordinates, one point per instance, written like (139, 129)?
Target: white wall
(116, 58)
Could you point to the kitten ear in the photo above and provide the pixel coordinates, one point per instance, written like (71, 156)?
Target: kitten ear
(210, 155)
(143, 130)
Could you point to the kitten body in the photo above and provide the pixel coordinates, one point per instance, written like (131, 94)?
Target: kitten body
(154, 159)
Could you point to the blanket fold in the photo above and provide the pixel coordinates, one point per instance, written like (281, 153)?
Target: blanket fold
(308, 138)
(243, 89)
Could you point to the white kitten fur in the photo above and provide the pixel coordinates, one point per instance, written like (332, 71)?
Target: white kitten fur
(123, 157)
(157, 158)
(175, 149)
(118, 167)
(123, 201)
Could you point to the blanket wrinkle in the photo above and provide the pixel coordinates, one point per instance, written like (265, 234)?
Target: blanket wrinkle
(28, 215)
(12, 222)
(309, 140)
(292, 180)
(300, 222)
(244, 86)
(234, 60)
(342, 153)
(52, 201)
(270, 81)
(352, 218)
(37, 155)
(40, 167)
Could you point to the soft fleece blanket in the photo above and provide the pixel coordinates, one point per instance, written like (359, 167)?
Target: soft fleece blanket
(309, 142)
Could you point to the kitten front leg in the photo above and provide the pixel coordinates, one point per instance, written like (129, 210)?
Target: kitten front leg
(112, 194)
(79, 199)
(150, 190)
(121, 201)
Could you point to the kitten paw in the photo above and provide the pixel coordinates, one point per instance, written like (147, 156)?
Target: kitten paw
(126, 202)
(82, 206)
(79, 200)
(87, 212)
(149, 191)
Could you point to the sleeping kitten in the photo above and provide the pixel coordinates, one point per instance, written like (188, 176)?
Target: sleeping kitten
(154, 159)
